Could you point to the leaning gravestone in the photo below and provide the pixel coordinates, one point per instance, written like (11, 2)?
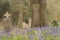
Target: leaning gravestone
(6, 22)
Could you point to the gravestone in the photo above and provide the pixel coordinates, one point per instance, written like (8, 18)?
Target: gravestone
(6, 22)
(27, 25)
(30, 20)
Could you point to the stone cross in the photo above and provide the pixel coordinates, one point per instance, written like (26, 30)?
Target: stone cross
(7, 15)
(6, 22)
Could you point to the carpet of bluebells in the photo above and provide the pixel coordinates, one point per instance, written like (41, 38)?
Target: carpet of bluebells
(44, 33)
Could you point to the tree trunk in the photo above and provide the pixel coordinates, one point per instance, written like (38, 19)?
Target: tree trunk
(35, 13)
(43, 18)
(38, 8)
(35, 19)
(20, 20)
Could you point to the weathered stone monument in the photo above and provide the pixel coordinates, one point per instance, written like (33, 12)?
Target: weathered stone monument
(6, 22)
(30, 21)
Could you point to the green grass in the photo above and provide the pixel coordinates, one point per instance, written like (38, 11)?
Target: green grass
(49, 37)
(22, 37)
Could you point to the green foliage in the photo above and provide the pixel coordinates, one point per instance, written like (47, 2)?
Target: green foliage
(34, 38)
(6, 38)
(54, 22)
(21, 37)
(43, 32)
(6, 6)
(49, 37)
(33, 32)
(18, 37)
(57, 38)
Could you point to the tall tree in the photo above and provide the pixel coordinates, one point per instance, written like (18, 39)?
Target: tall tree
(43, 18)
(35, 13)
(38, 13)
(20, 19)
